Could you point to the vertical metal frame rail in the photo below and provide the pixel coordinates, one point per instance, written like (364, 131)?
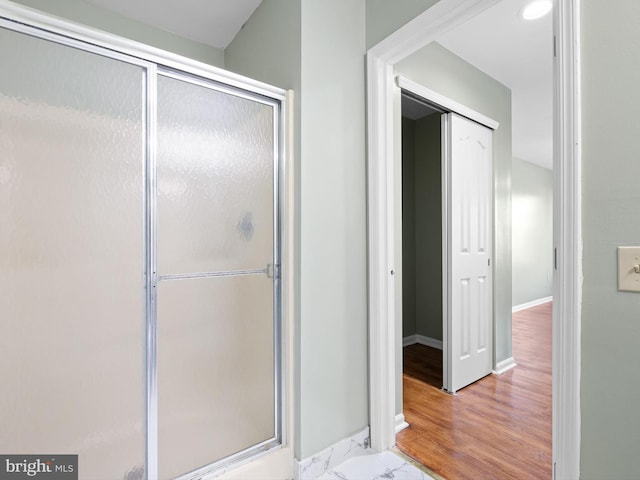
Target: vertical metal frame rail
(151, 278)
(278, 176)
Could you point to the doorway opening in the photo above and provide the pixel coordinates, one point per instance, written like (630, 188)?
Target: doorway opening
(422, 219)
(423, 362)
(447, 218)
(486, 416)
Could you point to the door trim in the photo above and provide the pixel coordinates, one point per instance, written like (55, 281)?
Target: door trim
(381, 58)
(445, 102)
(567, 233)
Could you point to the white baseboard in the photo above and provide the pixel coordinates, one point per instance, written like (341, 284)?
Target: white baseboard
(532, 303)
(505, 365)
(401, 423)
(315, 466)
(410, 340)
(422, 340)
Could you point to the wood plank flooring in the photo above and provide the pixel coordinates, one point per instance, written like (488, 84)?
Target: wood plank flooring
(496, 428)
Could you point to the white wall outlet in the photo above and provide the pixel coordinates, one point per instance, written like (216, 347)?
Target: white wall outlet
(629, 269)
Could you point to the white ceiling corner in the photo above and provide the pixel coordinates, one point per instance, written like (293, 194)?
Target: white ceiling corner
(212, 22)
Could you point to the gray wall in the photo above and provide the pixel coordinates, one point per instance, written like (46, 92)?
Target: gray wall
(440, 70)
(268, 47)
(610, 391)
(422, 227)
(328, 74)
(102, 19)
(386, 16)
(428, 227)
(408, 229)
(334, 341)
(532, 232)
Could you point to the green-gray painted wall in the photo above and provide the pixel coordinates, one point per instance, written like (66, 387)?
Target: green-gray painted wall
(610, 391)
(334, 342)
(428, 226)
(422, 227)
(532, 232)
(440, 70)
(268, 47)
(408, 229)
(386, 16)
(102, 19)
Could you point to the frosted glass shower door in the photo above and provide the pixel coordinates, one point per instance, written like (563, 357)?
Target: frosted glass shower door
(216, 243)
(71, 256)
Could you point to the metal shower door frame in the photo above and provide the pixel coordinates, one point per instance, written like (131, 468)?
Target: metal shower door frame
(155, 62)
(153, 279)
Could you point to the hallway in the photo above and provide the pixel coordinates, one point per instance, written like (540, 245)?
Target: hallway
(498, 427)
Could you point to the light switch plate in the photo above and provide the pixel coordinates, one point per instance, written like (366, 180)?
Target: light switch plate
(628, 278)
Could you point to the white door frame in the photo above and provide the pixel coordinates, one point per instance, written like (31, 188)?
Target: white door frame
(381, 58)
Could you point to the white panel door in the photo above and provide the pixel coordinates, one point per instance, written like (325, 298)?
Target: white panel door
(469, 230)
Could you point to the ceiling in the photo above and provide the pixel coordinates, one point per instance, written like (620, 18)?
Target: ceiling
(516, 52)
(212, 22)
(519, 54)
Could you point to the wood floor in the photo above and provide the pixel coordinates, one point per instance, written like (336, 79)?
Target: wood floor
(496, 428)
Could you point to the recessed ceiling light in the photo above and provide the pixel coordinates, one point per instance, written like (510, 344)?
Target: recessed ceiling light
(536, 9)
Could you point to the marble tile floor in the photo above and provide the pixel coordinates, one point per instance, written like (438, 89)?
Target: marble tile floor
(377, 466)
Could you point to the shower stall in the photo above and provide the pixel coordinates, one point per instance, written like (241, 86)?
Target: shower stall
(140, 313)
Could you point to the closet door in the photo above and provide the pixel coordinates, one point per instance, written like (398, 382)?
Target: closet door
(71, 255)
(470, 230)
(216, 313)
